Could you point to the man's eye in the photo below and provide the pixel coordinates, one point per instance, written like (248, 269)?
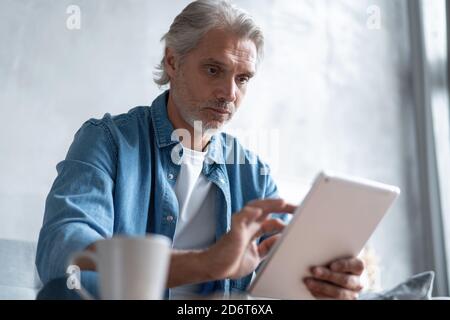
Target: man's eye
(243, 80)
(212, 71)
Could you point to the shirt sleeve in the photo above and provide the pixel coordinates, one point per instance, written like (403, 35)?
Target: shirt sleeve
(79, 208)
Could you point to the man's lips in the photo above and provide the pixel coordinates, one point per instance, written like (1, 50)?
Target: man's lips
(220, 111)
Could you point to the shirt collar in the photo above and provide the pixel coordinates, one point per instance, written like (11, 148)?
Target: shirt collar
(216, 150)
(161, 123)
(164, 129)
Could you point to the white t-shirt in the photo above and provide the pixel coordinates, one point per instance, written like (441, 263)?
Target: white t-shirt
(196, 226)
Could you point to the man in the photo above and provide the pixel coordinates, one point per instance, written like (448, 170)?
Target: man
(166, 169)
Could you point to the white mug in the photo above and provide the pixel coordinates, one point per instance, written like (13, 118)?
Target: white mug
(129, 267)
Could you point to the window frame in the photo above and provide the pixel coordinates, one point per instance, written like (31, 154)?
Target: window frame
(430, 87)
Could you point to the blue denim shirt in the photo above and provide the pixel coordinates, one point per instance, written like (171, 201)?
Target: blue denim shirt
(118, 178)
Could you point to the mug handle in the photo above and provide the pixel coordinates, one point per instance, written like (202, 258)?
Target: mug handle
(84, 294)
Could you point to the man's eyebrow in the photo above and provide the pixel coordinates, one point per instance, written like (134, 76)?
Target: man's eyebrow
(223, 65)
(214, 61)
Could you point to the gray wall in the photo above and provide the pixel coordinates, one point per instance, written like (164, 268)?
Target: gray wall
(337, 93)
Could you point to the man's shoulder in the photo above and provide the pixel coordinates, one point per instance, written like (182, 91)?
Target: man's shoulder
(107, 131)
(115, 130)
(133, 117)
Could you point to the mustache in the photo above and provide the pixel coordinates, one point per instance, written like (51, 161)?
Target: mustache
(221, 105)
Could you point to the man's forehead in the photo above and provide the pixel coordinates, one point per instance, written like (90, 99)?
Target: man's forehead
(226, 48)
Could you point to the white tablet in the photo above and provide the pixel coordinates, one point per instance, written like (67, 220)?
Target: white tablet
(335, 220)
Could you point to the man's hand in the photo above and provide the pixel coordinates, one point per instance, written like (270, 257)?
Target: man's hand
(237, 253)
(339, 280)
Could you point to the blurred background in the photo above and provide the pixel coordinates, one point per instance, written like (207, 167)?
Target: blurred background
(355, 86)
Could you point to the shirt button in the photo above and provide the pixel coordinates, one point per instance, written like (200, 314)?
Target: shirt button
(222, 181)
(170, 176)
(169, 218)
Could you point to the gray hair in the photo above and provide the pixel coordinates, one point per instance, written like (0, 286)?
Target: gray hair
(197, 19)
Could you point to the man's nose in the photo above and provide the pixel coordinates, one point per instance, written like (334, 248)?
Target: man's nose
(227, 91)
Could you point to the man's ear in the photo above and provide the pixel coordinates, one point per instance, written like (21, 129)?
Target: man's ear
(170, 62)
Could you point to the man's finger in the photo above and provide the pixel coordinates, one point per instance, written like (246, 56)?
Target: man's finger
(266, 245)
(271, 226)
(318, 287)
(273, 206)
(249, 214)
(319, 295)
(350, 282)
(349, 265)
(248, 220)
(322, 296)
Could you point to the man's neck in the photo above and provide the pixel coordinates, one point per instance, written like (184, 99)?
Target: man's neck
(199, 141)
